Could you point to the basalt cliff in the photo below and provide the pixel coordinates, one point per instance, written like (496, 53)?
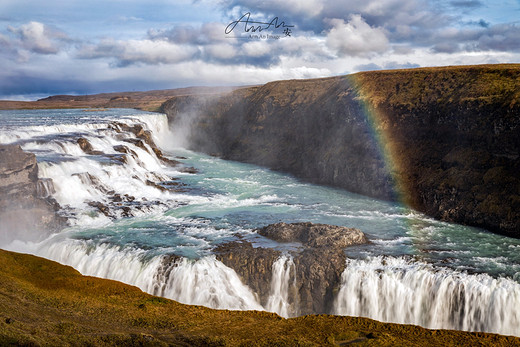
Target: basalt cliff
(27, 212)
(442, 140)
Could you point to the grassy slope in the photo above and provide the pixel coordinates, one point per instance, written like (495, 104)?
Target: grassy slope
(440, 85)
(44, 303)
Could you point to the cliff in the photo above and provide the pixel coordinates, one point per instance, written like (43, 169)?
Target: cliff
(442, 140)
(44, 303)
(26, 211)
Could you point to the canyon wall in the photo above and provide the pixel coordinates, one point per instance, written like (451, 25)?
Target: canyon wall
(442, 140)
(26, 211)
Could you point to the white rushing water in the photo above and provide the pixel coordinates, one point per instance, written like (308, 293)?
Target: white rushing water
(124, 226)
(409, 292)
(205, 281)
(281, 287)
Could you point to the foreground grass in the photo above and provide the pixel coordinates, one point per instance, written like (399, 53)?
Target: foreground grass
(45, 303)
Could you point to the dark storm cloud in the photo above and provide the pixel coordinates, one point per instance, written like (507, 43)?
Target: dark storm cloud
(25, 84)
(368, 67)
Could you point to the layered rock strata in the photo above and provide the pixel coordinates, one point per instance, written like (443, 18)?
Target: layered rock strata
(26, 210)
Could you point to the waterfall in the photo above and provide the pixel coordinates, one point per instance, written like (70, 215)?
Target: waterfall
(111, 172)
(44, 187)
(408, 292)
(205, 281)
(279, 300)
(210, 283)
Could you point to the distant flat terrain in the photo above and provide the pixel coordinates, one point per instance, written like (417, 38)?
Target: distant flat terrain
(148, 100)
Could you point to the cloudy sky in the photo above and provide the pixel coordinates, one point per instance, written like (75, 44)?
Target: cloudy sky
(80, 47)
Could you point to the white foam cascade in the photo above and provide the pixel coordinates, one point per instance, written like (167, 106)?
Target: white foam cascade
(205, 281)
(281, 285)
(408, 292)
(121, 172)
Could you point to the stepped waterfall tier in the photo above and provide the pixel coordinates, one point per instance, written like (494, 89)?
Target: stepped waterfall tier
(227, 235)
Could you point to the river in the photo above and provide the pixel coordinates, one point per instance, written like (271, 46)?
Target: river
(415, 270)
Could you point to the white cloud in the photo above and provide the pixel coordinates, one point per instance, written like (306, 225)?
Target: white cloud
(356, 38)
(256, 48)
(139, 51)
(37, 37)
(221, 51)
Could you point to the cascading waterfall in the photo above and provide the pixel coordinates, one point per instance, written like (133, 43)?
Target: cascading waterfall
(205, 281)
(119, 174)
(165, 248)
(410, 292)
(210, 283)
(281, 285)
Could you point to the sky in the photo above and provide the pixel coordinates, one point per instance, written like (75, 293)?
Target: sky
(91, 46)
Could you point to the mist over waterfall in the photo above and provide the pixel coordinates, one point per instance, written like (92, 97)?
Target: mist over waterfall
(144, 212)
(407, 292)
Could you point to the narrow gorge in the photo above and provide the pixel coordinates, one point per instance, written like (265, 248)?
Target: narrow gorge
(442, 140)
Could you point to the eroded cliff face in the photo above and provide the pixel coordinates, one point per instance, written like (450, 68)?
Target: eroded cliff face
(442, 140)
(26, 211)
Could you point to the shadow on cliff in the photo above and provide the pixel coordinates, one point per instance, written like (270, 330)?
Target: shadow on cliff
(442, 140)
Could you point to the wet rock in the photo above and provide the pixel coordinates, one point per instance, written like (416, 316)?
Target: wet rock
(318, 266)
(86, 147)
(155, 185)
(101, 208)
(125, 150)
(23, 214)
(253, 265)
(189, 169)
(129, 197)
(314, 235)
(142, 138)
(44, 187)
(127, 211)
(175, 186)
(91, 180)
(117, 158)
